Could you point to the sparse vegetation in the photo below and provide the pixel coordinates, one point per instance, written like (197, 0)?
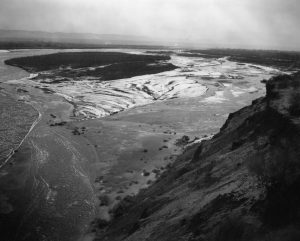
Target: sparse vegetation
(233, 228)
(294, 108)
(212, 193)
(62, 123)
(184, 140)
(104, 200)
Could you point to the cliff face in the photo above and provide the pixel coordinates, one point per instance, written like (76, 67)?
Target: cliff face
(241, 185)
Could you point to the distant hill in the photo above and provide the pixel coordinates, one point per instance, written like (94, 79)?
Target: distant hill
(33, 39)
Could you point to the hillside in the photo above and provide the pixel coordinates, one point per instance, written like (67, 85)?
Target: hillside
(243, 184)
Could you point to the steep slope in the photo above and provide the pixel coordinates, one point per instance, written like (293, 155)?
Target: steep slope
(241, 185)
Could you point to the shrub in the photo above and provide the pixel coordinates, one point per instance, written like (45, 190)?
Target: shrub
(294, 108)
(287, 234)
(232, 228)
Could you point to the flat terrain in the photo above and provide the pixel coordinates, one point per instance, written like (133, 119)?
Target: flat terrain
(16, 119)
(286, 60)
(106, 65)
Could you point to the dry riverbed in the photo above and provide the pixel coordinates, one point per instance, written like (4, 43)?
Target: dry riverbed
(69, 171)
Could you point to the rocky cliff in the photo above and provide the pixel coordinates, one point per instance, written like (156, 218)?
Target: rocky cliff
(243, 184)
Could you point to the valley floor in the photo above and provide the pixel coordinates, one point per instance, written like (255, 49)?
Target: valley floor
(73, 168)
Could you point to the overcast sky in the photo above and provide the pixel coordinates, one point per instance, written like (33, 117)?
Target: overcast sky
(222, 23)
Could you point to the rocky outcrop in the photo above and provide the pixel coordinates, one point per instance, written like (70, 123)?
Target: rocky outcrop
(243, 184)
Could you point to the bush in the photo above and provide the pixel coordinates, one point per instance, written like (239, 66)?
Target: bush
(256, 166)
(287, 234)
(294, 108)
(104, 200)
(233, 228)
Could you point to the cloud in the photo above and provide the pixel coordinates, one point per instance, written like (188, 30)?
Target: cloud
(255, 23)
